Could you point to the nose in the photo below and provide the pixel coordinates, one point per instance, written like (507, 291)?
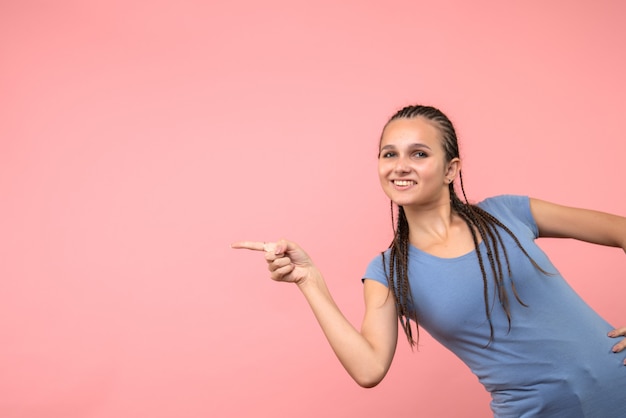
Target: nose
(401, 165)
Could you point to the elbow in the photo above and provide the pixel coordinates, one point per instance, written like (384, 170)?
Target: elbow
(369, 379)
(368, 384)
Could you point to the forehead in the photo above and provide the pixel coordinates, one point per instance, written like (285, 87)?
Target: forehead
(417, 130)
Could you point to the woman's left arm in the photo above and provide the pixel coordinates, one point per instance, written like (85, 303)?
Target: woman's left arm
(559, 221)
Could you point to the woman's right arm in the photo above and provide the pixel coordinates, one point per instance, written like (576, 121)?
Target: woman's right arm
(366, 354)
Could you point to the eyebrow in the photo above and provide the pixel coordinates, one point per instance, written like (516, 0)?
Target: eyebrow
(415, 145)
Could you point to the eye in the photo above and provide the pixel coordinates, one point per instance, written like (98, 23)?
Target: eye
(420, 154)
(387, 154)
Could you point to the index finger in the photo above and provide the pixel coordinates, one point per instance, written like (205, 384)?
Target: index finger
(249, 245)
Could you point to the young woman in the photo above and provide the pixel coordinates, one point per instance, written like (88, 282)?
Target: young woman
(472, 276)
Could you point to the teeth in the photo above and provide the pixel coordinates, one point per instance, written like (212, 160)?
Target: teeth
(403, 182)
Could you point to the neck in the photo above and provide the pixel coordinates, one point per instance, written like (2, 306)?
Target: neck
(430, 223)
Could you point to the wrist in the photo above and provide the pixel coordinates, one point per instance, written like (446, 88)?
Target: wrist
(311, 280)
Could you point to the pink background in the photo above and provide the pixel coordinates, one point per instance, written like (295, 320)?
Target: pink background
(138, 139)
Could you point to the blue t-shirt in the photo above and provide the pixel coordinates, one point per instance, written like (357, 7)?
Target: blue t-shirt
(556, 359)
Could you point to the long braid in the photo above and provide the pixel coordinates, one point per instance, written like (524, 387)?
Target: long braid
(398, 268)
(483, 226)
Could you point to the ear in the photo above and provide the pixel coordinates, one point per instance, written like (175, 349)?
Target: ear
(453, 169)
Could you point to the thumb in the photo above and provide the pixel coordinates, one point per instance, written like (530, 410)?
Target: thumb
(292, 250)
(284, 246)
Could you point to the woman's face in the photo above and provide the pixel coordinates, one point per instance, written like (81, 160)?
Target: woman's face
(412, 165)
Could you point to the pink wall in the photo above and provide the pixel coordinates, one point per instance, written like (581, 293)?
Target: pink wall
(138, 139)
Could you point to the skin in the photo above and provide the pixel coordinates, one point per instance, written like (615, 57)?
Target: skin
(413, 173)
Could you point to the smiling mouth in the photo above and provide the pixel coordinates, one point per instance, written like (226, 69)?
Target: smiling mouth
(404, 183)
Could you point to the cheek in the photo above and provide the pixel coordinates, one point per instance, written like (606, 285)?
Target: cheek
(432, 170)
(383, 174)
(382, 170)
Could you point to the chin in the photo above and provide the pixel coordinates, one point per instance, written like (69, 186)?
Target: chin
(402, 202)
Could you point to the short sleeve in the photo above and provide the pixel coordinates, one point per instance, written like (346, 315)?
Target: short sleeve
(512, 209)
(376, 271)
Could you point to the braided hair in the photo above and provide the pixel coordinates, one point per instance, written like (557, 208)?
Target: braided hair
(481, 224)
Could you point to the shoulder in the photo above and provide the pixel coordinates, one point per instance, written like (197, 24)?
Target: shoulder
(378, 262)
(376, 269)
(506, 203)
(501, 202)
(511, 210)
